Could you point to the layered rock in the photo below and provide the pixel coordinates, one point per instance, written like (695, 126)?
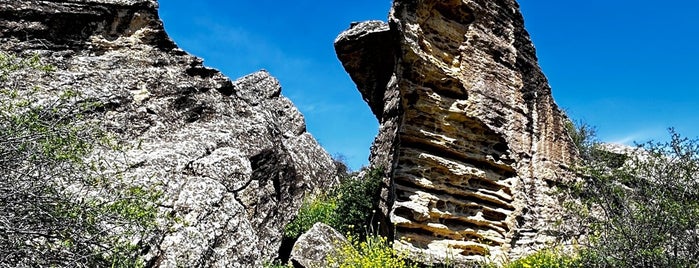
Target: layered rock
(232, 158)
(468, 127)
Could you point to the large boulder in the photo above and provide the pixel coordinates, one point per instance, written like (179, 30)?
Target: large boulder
(232, 158)
(470, 135)
(314, 247)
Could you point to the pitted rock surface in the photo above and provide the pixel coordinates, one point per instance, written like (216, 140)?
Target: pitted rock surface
(232, 158)
(468, 128)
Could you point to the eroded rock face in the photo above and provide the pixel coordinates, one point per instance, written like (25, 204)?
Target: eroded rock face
(468, 127)
(232, 158)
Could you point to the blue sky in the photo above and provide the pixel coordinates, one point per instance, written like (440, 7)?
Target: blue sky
(630, 68)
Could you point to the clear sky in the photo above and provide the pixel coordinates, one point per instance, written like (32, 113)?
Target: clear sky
(630, 68)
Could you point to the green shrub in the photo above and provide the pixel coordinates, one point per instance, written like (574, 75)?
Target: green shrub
(642, 209)
(357, 201)
(349, 207)
(372, 252)
(545, 259)
(319, 209)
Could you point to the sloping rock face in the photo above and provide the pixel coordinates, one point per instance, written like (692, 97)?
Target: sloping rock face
(468, 127)
(232, 158)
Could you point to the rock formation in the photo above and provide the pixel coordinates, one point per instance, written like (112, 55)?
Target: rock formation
(469, 131)
(232, 158)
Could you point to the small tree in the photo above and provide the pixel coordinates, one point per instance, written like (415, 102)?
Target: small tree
(642, 207)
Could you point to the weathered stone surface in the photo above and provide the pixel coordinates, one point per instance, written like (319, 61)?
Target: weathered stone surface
(468, 127)
(232, 158)
(313, 247)
(368, 40)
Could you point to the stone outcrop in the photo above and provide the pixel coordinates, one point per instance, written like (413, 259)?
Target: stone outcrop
(469, 130)
(232, 158)
(313, 248)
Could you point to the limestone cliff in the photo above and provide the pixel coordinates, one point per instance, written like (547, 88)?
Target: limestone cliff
(468, 127)
(232, 158)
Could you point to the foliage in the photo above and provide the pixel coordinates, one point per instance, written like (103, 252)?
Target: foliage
(319, 209)
(341, 168)
(56, 208)
(357, 201)
(643, 208)
(584, 138)
(347, 208)
(371, 252)
(548, 258)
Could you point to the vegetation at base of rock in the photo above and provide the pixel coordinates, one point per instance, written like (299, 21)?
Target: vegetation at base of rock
(641, 209)
(350, 207)
(373, 251)
(319, 209)
(548, 258)
(58, 209)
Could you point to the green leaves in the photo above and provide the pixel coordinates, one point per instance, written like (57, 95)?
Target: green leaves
(646, 204)
(319, 209)
(348, 208)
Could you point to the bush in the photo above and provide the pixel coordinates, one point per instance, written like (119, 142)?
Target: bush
(319, 209)
(584, 138)
(371, 252)
(642, 209)
(348, 208)
(548, 258)
(357, 202)
(56, 208)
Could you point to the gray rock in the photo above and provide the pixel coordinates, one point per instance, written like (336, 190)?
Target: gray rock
(312, 248)
(232, 158)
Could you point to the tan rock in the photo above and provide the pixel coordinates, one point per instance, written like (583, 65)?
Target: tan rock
(468, 127)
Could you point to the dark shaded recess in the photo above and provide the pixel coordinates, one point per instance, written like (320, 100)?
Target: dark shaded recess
(285, 249)
(411, 99)
(504, 171)
(227, 89)
(449, 87)
(405, 213)
(370, 60)
(476, 186)
(183, 103)
(463, 197)
(499, 57)
(193, 109)
(201, 71)
(415, 231)
(456, 10)
(275, 166)
(195, 113)
(72, 24)
(493, 215)
(464, 223)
